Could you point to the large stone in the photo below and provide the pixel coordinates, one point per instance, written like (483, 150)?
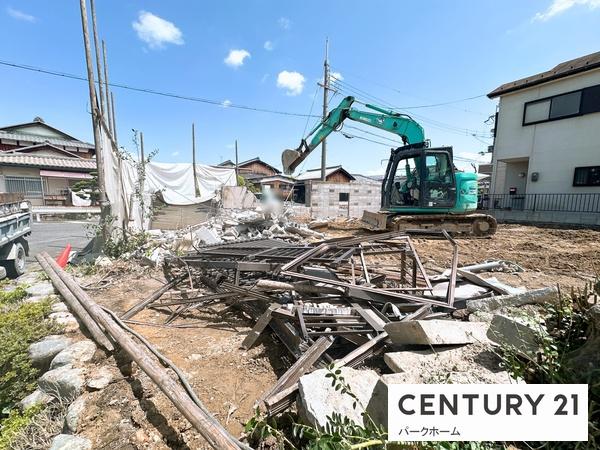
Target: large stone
(37, 397)
(42, 352)
(517, 334)
(65, 382)
(32, 277)
(101, 378)
(436, 332)
(70, 442)
(471, 364)
(76, 355)
(42, 288)
(74, 412)
(67, 320)
(319, 399)
(59, 307)
(541, 296)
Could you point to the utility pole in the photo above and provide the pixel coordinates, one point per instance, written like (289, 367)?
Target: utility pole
(108, 93)
(142, 176)
(196, 187)
(236, 163)
(97, 51)
(104, 204)
(114, 120)
(325, 107)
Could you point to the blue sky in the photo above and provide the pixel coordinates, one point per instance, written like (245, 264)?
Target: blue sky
(269, 55)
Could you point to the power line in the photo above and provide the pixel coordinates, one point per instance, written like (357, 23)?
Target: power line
(155, 92)
(349, 89)
(431, 105)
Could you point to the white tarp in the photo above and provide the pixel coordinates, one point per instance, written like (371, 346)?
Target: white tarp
(174, 180)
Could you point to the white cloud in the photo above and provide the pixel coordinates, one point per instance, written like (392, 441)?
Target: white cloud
(226, 103)
(236, 58)
(292, 82)
(20, 15)
(558, 7)
(175, 153)
(284, 23)
(156, 31)
(268, 45)
(264, 78)
(336, 76)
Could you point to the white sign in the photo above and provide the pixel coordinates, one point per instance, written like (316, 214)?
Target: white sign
(488, 412)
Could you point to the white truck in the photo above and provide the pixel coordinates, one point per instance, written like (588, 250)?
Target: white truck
(15, 225)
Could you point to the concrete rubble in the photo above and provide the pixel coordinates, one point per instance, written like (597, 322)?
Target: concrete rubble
(319, 398)
(436, 332)
(516, 333)
(543, 296)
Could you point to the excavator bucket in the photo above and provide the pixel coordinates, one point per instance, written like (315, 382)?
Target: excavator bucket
(290, 159)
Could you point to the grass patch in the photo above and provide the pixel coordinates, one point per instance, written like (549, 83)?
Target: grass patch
(15, 424)
(21, 324)
(13, 296)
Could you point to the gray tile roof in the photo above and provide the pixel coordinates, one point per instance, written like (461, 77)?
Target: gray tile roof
(16, 159)
(36, 139)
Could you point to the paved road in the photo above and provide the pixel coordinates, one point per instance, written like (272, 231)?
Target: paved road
(54, 236)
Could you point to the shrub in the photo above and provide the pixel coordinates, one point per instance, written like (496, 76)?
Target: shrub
(14, 424)
(13, 296)
(20, 326)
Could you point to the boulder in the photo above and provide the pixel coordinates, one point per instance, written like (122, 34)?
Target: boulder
(76, 354)
(537, 296)
(67, 320)
(70, 442)
(42, 352)
(40, 288)
(65, 382)
(516, 333)
(37, 397)
(100, 378)
(59, 307)
(319, 399)
(74, 412)
(436, 332)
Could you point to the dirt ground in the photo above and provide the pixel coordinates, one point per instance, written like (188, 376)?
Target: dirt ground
(133, 414)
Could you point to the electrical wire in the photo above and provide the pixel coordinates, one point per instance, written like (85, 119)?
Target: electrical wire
(350, 89)
(431, 105)
(153, 91)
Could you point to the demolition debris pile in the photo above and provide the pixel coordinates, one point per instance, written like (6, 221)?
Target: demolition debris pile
(338, 301)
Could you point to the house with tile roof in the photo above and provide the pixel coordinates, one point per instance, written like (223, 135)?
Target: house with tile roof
(43, 162)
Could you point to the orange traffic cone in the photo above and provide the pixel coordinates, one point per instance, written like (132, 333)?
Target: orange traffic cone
(63, 258)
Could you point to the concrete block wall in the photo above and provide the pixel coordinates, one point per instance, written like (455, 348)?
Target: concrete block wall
(546, 217)
(324, 199)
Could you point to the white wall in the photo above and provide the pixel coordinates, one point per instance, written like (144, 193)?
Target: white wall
(554, 148)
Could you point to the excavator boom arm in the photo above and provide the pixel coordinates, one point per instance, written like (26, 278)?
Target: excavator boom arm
(405, 127)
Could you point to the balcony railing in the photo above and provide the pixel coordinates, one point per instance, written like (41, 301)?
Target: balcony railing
(576, 203)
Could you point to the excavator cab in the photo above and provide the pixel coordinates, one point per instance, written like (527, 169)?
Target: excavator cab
(419, 179)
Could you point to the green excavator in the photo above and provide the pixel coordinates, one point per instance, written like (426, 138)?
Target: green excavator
(421, 188)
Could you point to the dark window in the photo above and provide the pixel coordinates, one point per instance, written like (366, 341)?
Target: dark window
(344, 196)
(587, 176)
(565, 105)
(583, 101)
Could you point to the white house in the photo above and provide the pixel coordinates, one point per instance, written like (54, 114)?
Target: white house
(546, 152)
(547, 134)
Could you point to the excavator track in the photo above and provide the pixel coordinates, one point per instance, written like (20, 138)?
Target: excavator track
(475, 225)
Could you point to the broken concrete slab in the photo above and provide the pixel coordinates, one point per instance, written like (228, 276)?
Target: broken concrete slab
(436, 332)
(206, 235)
(461, 292)
(319, 399)
(541, 296)
(516, 333)
(474, 364)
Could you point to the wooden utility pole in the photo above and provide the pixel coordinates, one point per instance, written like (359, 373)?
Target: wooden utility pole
(108, 93)
(325, 107)
(104, 204)
(196, 187)
(97, 51)
(114, 120)
(236, 163)
(142, 176)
